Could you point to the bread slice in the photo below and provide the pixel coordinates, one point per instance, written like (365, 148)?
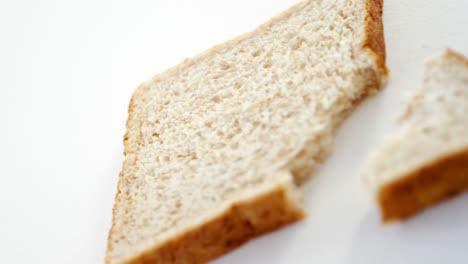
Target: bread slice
(426, 160)
(215, 146)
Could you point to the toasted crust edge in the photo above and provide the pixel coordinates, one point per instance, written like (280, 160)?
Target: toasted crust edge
(450, 53)
(373, 42)
(428, 185)
(237, 225)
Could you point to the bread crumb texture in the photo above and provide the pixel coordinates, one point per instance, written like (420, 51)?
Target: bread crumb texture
(216, 145)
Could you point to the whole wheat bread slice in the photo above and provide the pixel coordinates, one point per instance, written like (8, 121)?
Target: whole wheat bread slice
(215, 146)
(426, 160)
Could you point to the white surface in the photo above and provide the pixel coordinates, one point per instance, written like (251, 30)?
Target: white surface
(68, 69)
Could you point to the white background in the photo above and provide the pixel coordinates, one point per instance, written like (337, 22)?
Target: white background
(68, 68)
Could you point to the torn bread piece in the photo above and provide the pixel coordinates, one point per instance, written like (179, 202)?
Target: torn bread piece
(426, 160)
(215, 146)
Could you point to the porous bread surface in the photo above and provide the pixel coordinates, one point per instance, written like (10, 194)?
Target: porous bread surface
(244, 120)
(432, 135)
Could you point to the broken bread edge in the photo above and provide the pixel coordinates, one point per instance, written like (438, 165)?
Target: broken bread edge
(275, 206)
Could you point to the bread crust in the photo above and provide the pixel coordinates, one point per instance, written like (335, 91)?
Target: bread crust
(374, 34)
(231, 229)
(437, 181)
(457, 56)
(238, 224)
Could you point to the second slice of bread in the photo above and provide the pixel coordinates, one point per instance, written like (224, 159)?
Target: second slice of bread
(216, 145)
(426, 160)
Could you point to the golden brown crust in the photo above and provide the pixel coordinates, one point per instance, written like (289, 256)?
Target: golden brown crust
(424, 187)
(240, 223)
(374, 34)
(457, 56)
